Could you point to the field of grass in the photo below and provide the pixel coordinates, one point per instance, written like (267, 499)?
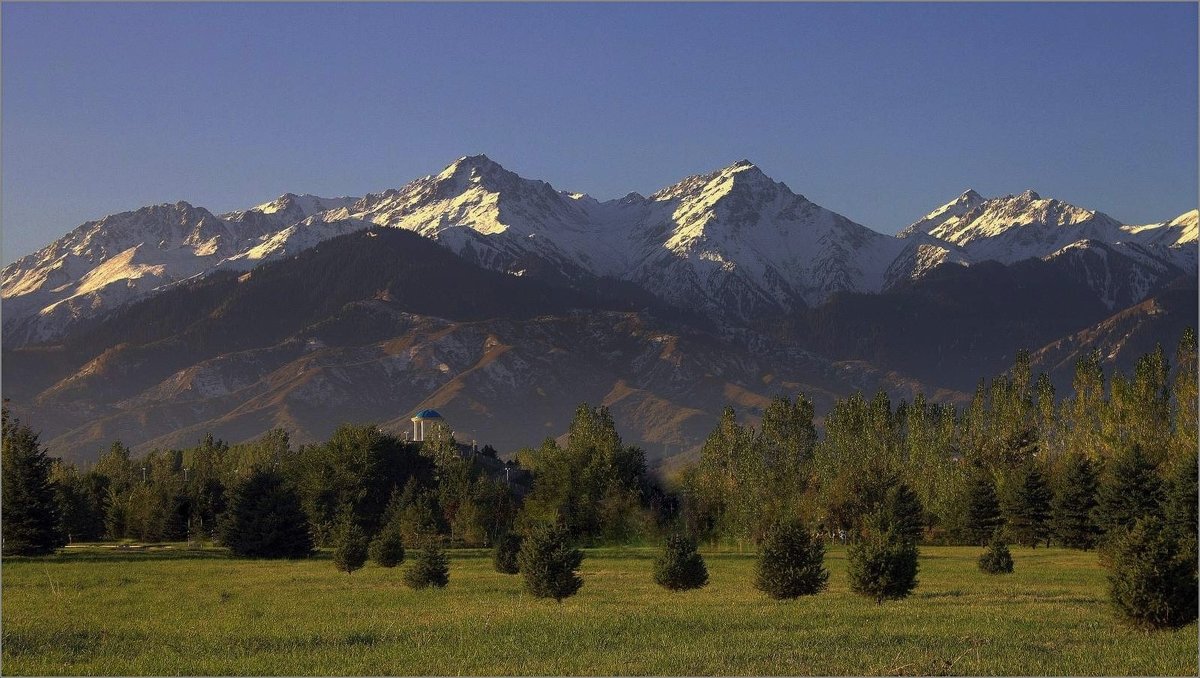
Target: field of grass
(174, 612)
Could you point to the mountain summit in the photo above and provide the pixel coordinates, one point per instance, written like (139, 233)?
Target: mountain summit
(732, 244)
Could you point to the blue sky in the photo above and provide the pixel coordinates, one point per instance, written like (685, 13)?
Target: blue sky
(879, 112)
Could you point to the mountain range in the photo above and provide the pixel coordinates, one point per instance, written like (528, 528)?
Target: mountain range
(503, 301)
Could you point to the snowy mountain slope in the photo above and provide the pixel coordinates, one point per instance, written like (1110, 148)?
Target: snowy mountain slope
(1121, 273)
(1117, 260)
(732, 244)
(104, 264)
(953, 210)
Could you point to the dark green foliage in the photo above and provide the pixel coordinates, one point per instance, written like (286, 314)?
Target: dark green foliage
(996, 559)
(1029, 513)
(1131, 489)
(358, 467)
(349, 545)
(31, 519)
(431, 567)
(80, 500)
(1180, 508)
(264, 519)
(387, 548)
(1071, 513)
(680, 567)
(505, 555)
(548, 562)
(419, 514)
(1153, 578)
(883, 564)
(982, 515)
(595, 485)
(904, 511)
(791, 563)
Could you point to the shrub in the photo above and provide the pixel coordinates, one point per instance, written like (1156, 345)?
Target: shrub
(429, 568)
(996, 559)
(1153, 576)
(349, 545)
(680, 567)
(264, 520)
(791, 563)
(505, 555)
(387, 548)
(548, 562)
(883, 563)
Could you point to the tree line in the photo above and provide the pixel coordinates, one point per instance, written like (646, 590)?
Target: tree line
(1110, 464)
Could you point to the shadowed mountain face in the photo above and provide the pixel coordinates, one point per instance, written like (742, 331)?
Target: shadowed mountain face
(503, 303)
(376, 324)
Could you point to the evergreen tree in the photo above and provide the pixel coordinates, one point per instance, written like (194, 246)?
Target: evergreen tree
(996, 559)
(549, 562)
(1131, 489)
(349, 544)
(431, 567)
(680, 567)
(31, 519)
(1071, 514)
(883, 564)
(1180, 509)
(387, 548)
(904, 511)
(982, 508)
(265, 520)
(1029, 523)
(505, 556)
(1153, 581)
(791, 563)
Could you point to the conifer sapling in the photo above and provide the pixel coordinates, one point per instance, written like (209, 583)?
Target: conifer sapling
(680, 567)
(791, 563)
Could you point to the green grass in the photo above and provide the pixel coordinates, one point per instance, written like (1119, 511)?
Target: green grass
(103, 612)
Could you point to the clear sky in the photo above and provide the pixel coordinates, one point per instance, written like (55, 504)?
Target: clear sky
(879, 112)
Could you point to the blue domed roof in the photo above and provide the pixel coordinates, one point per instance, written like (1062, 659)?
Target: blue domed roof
(427, 414)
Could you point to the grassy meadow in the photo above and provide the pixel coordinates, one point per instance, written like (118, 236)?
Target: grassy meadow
(93, 611)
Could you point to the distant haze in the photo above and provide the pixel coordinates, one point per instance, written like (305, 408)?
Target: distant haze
(879, 112)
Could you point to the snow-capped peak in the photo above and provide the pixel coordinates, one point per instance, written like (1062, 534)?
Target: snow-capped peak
(729, 242)
(967, 201)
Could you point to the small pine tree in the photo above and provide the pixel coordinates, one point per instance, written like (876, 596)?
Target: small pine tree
(548, 562)
(883, 563)
(265, 520)
(996, 559)
(431, 567)
(349, 544)
(1130, 490)
(680, 567)
(1071, 513)
(982, 509)
(1029, 523)
(387, 548)
(1182, 493)
(791, 563)
(31, 524)
(505, 555)
(1153, 579)
(905, 512)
